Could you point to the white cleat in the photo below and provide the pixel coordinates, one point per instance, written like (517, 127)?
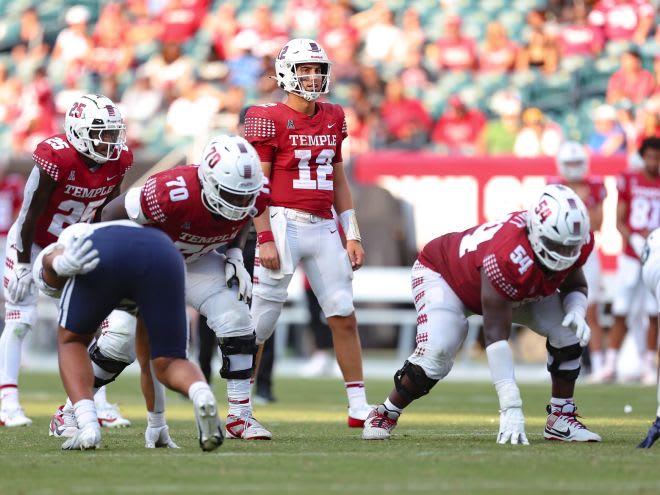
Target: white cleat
(110, 417)
(378, 425)
(87, 438)
(208, 423)
(358, 415)
(246, 427)
(14, 417)
(63, 423)
(564, 425)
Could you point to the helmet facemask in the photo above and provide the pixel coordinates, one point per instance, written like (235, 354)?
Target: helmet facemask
(109, 136)
(291, 73)
(233, 205)
(320, 83)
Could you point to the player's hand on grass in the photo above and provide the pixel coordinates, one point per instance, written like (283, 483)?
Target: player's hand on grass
(158, 437)
(512, 427)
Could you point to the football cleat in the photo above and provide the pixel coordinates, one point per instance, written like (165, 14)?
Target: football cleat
(110, 417)
(652, 435)
(379, 424)
(208, 423)
(563, 424)
(86, 438)
(63, 423)
(14, 417)
(246, 427)
(358, 415)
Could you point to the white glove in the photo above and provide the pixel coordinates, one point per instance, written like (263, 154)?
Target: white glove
(512, 427)
(157, 437)
(20, 282)
(234, 269)
(77, 258)
(576, 321)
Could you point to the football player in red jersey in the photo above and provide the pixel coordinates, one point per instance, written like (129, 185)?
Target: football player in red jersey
(74, 175)
(637, 214)
(573, 167)
(201, 208)
(299, 143)
(525, 268)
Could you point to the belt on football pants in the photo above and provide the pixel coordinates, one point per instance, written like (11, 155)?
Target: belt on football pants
(302, 216)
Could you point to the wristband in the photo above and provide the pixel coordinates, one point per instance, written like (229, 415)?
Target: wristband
(348, 222)
(265, 236)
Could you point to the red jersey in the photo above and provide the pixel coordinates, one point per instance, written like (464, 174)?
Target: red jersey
(642, 195)
(503, 250)
(619, 20)
(80, 191)
(302, 151)
(591, 190)
(172, 200)
(11, 197)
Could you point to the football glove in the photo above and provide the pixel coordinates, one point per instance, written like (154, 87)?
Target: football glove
(78, 258)
(20, 282)
(234, 269)
(576, 321)
(158, 437)
(512, 427)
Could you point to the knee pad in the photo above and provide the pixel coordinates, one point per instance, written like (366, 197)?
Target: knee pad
(411, 382)
(264, 315)
(237, 356)
(108, 368)
(564, 362)
(117, 339)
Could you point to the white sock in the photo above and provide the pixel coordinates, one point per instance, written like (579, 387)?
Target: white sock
(11, 343)
(556, 404)
(100, 397)
(238, 395)
(649, 359)
(9, 397)
(596, 362)
(85, 412)
(357, 395)
(610, 358)
(392, 411)
(197, 388)
(156, 419)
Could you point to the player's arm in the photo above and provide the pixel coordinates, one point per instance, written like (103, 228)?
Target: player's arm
(38, 190)
(125, 206)
(596, 217)
(497, 315)
(344, 206)
(268, 256)
(115, 193)
(573, 292)
(635, 240)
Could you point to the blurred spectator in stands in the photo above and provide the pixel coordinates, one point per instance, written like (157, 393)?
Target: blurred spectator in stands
(191, 114)
(497, 53)
(180, 19)
(625, 118)
(453, 50)
(623, 19)
(245, 67)
(414, 75)
(305, 17)
(345, 64)
(359, 137)
(111, 54)
(631, 81)
(169, 70)
(142, 31)
(359, 100)
(222, 25)
(608, 138)
(10, 91)
(499, 136)
(270, 37)
(26, 61)
(227, 118)
(140, 104)
(37, 118)
(373, 84)
(383, 39)
(458, 129)
(73, 45)
(649, 119)
(414, 36)
(577, 36)
(406, 123)
(267, 88)
(336, 32)
(31, 30)
(539, 53)
(539, 136)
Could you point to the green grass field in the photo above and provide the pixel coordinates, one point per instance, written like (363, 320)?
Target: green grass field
(445, 443)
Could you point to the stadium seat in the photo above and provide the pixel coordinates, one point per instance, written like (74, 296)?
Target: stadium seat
(593, 79)
(553, 93)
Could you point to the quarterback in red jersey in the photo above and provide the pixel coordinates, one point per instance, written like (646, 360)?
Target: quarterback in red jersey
(525, 268)
(299, 143)
(637, 214)
(201, 208)
(573, 167)
(74, 175)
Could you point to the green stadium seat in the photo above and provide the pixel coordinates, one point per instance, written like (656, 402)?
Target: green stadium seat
(553, 93)
(10, 30)
(593, 79)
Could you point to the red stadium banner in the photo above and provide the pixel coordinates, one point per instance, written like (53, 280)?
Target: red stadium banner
(448, 194)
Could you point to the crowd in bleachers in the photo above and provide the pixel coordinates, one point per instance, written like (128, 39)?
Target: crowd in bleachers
(458, 76)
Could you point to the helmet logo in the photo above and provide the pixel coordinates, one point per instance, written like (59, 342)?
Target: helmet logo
(283, 52)
(212, 158)
(77, 110)
(576, 228)
(543, 210)
(111, 110)
(314, 47)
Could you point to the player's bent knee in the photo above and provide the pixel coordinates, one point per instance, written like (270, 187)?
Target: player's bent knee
(564, 362)
(264, 316)
(238, 355)
(109, 368)
(412, 382)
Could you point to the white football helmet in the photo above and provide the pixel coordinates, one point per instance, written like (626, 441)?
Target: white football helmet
(651, 261)
(300, 51)
(572, 161)
(558, 227)
(94, 126)
(231, 177)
